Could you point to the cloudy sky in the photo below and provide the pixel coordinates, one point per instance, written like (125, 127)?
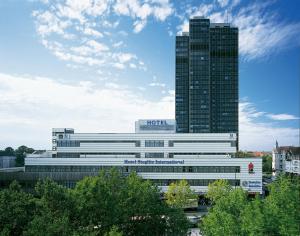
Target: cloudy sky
(99, 65)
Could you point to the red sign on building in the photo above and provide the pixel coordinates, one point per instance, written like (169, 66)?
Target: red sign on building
(250, 167)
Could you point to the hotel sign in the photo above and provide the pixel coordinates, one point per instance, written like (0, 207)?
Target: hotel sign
(156, 125)
(156, 122)
(153, 162)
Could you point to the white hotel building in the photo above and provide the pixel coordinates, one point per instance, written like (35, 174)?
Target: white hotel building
(154, 152)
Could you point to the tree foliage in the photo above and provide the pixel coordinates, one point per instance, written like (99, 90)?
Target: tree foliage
(20, 154)
(180, 194)
(267, 164)
(282, 207)
(218, 189)
(234, 214)
(108, 204)
(16, 210)
(131, 204)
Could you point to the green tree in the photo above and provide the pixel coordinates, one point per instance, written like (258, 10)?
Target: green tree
(149, 212)
(267, 164)
(9, 151)
(131, 204)
(180, 194)
(54, 212)
(233, 214)
(114, 232)
(253, 218)
(98, 201)
(20, 153)
(218, 189)
(282, 208)
(108, 204)
(243, 154)
(16, 210)
(224, 218)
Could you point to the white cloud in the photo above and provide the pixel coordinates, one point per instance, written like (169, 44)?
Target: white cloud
(256, 135)
(75, 24)
(139, 25)
(82, 50)
(123, 33)
(108, 24)
(118, 44)
(172, 92)
(98, 47)
(141, 11)
(118, 65)
(48, 23)
(282, 117)
(31, 106)
(90, 31)
(156, 84)
(125, 57)
(132, 65)
(223, 3)
(261, 31)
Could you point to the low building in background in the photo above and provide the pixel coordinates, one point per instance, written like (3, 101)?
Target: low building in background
(7, 161)
(285, 159)
(40, 154)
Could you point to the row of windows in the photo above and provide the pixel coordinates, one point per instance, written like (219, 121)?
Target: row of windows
(138, 155)
(199, 46)
(171, 143)
(148, 143)
(193, 182)
(76, 143)
(154, 143)
(138, 169)
(68, 143)
(182, 60)
(77, 155)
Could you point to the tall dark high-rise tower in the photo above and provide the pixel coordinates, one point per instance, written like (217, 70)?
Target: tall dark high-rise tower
(207, 78)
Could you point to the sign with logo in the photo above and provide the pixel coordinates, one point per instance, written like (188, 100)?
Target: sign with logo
(155, 125)
(251, 168)
(251, 184)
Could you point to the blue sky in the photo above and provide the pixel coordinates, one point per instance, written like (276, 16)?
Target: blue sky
(97, 66)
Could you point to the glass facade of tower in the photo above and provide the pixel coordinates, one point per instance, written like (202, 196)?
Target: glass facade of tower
(207, 78)
(182, 84)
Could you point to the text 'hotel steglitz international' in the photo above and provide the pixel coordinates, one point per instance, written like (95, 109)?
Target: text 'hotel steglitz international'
(207, 78)
(199, 146)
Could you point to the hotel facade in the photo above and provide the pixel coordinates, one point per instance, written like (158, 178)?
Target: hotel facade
(155, 152)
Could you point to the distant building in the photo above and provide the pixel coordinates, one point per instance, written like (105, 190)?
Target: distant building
(286, 159)
(7, 161)
(39, 154)
(206, 78)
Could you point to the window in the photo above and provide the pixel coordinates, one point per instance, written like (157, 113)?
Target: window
(154, 143)
(154, 155)
(137, 143)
